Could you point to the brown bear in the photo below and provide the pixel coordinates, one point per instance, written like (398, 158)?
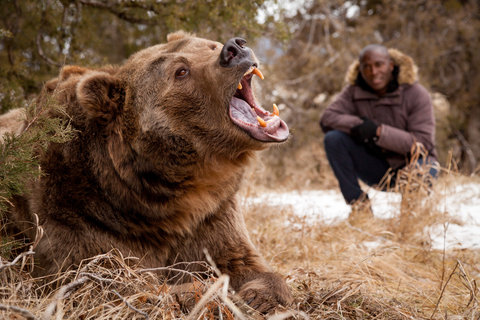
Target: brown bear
(160, 148)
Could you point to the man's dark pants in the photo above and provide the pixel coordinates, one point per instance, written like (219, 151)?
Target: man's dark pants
(351, 161)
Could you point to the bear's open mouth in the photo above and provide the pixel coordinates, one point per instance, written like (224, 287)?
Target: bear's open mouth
(248, 115)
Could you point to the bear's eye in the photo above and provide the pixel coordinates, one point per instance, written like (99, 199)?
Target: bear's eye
(181, 73)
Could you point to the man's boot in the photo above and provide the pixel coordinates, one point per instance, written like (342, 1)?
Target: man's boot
(361, 211)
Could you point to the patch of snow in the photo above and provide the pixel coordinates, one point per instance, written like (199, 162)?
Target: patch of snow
(460, 202)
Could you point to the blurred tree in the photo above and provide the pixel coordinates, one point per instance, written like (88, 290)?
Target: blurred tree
(441, 36)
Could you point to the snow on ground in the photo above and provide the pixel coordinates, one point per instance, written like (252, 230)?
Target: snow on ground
(463, 203)
(460, 202)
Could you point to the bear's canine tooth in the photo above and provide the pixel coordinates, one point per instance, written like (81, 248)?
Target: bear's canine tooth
(239, 87)
(250, 70)
(258, 73)
(275, 110)
(261, 121)
(255, 71)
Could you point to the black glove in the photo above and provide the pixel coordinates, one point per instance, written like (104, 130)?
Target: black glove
(365, 132)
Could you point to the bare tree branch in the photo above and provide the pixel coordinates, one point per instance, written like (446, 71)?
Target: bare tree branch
(42, 54)
(38, 41)
(122, 14)
(467, 149)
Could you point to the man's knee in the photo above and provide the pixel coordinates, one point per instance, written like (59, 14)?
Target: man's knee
(334, 139)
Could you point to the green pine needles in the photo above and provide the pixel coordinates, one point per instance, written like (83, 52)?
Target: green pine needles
(19, 154)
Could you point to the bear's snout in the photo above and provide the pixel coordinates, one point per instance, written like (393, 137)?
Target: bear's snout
(234, 52)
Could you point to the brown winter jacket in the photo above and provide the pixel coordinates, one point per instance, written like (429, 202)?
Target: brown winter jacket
(405, 115)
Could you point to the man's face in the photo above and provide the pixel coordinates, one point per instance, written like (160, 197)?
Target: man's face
(376, 69)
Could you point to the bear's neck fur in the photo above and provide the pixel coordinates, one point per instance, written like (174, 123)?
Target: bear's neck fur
(134, 196)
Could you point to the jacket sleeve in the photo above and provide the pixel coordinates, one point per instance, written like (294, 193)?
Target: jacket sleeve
(341, 113)
(420, 124)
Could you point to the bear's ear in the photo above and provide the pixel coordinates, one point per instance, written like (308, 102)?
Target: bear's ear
(178, 35)
(67, 71)
(102, 95)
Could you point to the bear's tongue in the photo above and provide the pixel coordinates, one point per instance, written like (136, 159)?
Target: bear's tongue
(246, 117)
(258, 123)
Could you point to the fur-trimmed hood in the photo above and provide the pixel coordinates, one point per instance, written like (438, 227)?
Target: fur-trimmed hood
(407, 68)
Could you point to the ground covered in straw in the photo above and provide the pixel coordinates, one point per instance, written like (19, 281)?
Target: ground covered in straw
(381, 268)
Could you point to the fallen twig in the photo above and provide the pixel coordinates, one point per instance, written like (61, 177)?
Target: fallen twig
(95, 277)
(25, 313)
(129, 305)
(288, 314)
(63, 293)
(220, 284)
(17, 258)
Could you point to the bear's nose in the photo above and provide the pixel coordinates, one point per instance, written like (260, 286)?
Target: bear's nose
(233, 52)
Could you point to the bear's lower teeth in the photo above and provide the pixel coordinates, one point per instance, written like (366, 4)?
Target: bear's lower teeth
(261, 121)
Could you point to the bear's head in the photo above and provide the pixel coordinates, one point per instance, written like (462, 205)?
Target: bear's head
(196, 89)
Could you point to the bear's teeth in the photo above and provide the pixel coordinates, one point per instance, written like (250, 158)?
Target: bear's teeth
(250, 70)
(261, 121)
(275, 110)
(239, 87)
(257, 72)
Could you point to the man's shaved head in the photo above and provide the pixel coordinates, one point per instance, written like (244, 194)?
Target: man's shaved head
(373, 47)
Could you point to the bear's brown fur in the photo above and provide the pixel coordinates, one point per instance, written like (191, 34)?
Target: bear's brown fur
(156, 163)
(12, 122)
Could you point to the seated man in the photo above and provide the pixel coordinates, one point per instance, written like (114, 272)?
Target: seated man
(375, 122)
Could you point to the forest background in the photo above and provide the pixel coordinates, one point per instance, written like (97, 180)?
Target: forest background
(305, 48)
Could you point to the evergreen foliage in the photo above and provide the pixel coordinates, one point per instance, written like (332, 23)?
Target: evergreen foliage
(19, 155)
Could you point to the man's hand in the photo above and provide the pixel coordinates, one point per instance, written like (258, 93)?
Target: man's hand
(365, 132)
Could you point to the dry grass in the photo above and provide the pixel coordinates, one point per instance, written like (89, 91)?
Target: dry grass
(336, 274)
(111, 286)
(383, 269)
